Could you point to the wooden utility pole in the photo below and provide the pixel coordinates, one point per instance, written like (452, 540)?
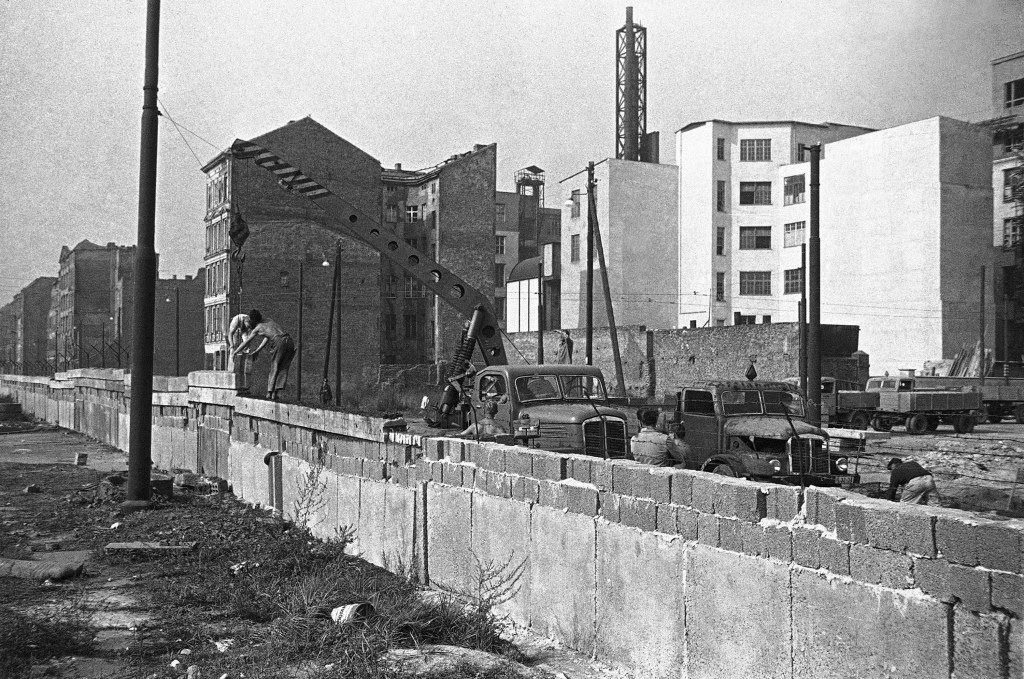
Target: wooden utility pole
(591, 220)
(814, 296)
(981, 328)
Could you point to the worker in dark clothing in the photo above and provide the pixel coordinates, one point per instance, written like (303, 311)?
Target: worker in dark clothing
(282, 349)
(918, 483)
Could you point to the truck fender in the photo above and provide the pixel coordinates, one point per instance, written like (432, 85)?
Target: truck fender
(734, 462)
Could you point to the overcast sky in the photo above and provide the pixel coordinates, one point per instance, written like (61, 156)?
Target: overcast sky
(414, 82)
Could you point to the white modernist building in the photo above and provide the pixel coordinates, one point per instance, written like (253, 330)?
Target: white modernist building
(906, 218)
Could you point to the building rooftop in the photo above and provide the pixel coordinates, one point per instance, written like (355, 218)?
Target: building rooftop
(698, 123)
(1008, 57)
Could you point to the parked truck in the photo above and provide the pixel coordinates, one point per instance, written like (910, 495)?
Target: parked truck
(756, 429)
(890, 401)
(1000, 396)
(572, 416)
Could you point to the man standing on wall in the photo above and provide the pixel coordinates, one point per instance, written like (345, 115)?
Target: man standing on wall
(238, 331)
(281, 345)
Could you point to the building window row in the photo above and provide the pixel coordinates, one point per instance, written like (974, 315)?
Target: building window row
(755, 150)
(755, 283)
(1014, 91)
(755, 193)
(755, 238)
(1012, 180)
(412, 213)
(720, 195)
(217, 237)
(794, 234)
(499, 245)
(217, 278)
(217, 187)
(793, 190)
(1013, 139)
(216, 322)
(793, 281)
(1011, 231)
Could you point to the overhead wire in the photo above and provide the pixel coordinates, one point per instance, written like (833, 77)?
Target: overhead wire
(167, 115)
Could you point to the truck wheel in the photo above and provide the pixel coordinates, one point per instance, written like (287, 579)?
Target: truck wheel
(859, 420)
(724, 469)
(933, 423)
(880, 424)
(995, 419)
(1018, 414)
(963, 424)
(917, 424)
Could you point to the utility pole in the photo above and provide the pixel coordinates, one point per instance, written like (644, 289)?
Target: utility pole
(620, 383)
(139, 442)
(298, 357)
(802, 321)
(591, 219)
(981, 328)
(814, 296)
(540, 311)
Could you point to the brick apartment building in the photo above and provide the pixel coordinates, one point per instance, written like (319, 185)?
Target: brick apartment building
(448, 211)
(31, 306)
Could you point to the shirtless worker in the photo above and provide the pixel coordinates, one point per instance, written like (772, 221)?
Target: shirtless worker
(238, 332)
(281, 345)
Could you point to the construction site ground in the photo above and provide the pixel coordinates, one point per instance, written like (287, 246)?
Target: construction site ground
(251, 598)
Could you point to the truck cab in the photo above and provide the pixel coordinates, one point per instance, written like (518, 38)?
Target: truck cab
(567, 406)
(756, 429)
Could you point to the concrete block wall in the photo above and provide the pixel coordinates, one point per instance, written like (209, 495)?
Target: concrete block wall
(671, 572)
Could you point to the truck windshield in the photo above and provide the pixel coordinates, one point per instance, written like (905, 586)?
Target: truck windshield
(537, 387)
(583, 387)
(783, 402)
(741, 402)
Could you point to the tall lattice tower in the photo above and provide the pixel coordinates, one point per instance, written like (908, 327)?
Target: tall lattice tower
(631, 139)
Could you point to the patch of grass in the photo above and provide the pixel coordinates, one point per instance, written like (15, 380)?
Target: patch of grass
(28, 638)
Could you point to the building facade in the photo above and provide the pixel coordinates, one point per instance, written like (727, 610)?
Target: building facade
(638, 222)
(905, 215)
(31, 308)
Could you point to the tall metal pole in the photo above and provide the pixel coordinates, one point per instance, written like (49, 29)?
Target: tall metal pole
(540, 311)
(177, 331)
(298, 351)
(814, 297)
(620, 383)
(803, 320)
(981, 328)
(337, 328)
(591, 218)
(139, 443)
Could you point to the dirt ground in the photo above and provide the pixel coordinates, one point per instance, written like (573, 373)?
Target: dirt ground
(242, 594)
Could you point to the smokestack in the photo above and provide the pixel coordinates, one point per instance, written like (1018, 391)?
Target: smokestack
(630, 89)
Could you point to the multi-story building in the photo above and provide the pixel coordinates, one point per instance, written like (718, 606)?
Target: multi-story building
(904, 230)
(31, 306)
(448, 212)
(638, 223)
(8, 337)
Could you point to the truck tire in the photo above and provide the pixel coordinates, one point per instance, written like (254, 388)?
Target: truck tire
(1018, 414)
(917, 424)
(859, 420)
(963, 424)
(933, 422)
(725, 469)
(879, 423)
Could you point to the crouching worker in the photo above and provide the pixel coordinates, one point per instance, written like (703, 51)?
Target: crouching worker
(918, 483)
(485, 427)
(654, 447)
(282, 348)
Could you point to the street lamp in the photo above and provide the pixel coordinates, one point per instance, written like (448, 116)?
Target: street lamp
(177, 351)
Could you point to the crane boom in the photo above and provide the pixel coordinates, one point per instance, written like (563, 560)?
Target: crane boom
(352, 222)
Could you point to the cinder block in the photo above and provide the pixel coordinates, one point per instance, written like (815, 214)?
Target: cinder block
(491, 458)
(982, 646)
(971, 587)
(549, 466)
(525, 489)
(661, 484)
(704, 492)
(834, 555)
(918, 531)
(601, 474)
(376, 470)
(956, 540)
(682, 487)
(665, 518)
(637, 512)
(579, 467)
(581, 499)
(880, 567)
(999, 546)
(752, 539)
(456, 450)
(608, 505)
(730, 536)
(1008, 593)
(519, 461)
(851, 523)
(749, 503)
(552, 494)
(932, 577)
(629, 477)
(883, 529)
(353, 466)
(436, 471)
(707, 529)
(805, 546)
(499, 485)
(779, 542)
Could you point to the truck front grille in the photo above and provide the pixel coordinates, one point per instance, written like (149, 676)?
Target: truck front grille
(553, 437)
(593, 435)
(808, 456)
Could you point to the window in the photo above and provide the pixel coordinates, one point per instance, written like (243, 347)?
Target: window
(499, 275)
(499, 245)
(1011, 182)
(1013, 139)
(755, 193)
(1014, 93)
(1011, 232)
(793, 190)
(698, 402)
(574, 247)
(793, 280)
(284, 278)
(755, 150)
(412, 213)
(499, 213)
(741, 319)
(389, 326)
(720, 322)
(391, 213)
(720, 241)
(720, 195)
(766, 319)
(411, 326)
(720, 286)
(755, 282)
(720, 148)
(803, 153)
(413, 288)
(755, 238)
(794, 234)
(391, 286)
(574, 198)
